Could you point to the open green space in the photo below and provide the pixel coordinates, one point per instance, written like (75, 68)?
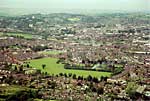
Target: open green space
(73, 19)
(1, 33)
(43, 100)
(28, 36)
(24, 35)
(51, 52)
(53, 68)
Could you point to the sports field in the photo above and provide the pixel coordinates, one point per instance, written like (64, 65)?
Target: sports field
(53, 68)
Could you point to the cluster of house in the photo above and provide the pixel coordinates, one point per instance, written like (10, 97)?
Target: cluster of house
(67, 87)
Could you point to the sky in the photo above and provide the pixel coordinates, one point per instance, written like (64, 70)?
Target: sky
(83, 5)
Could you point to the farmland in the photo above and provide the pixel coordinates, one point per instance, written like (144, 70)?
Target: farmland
(53, 68)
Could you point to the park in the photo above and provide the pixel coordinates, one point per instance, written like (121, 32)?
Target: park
(52, 67)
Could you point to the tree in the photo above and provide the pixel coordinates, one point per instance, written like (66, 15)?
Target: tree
(65, 75)
(93, 89)
(70, 74)
(100, 90)
(15, 68)
(89, 78)
(80, 77)
(104, 78)
(46, 73)
(74, 76)
(95, 80)
(48, 82)
(38, 71)
(43, 66)
(21, 68)
(131, 89)
(53, 84)
(28, 65)
(60, 74)
(23, 95)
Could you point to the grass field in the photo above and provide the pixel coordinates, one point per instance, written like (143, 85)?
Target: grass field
(51, 52)
(73, 19)
(28, 36)
(1, 33)
(53, 68)
(25, 35)
(43, 100)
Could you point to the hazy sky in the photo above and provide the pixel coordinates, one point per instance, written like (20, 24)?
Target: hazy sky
(114, 5)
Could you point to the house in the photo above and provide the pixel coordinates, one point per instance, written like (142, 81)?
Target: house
(141, 89)
(30, 71)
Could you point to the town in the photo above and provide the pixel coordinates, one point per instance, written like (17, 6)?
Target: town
(71, 57)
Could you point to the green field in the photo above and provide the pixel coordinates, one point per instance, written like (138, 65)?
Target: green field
(37, 100)
(25, 35)
(43, 100)
(51, 52)
(1, 33)
(53, 68)
(73, 19)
